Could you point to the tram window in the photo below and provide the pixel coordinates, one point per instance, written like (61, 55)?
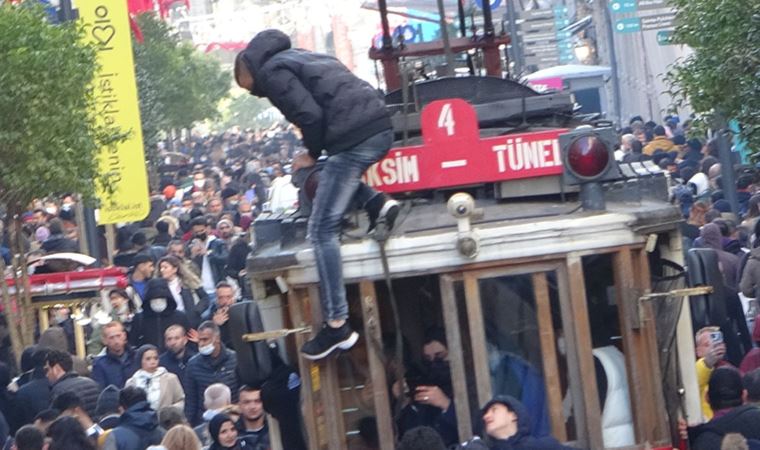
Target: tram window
(609, 360)
(513, 318)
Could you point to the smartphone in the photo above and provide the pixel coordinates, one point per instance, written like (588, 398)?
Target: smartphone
(716, 337)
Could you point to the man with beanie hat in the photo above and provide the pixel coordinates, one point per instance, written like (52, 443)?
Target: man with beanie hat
(108, 408)
(344, 115)
(159, 313)
(726, 394)
(506, 423)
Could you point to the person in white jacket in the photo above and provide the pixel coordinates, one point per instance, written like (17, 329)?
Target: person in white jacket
(163, 387)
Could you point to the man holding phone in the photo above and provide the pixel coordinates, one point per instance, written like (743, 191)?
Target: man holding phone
(219, 312)
(711, 351)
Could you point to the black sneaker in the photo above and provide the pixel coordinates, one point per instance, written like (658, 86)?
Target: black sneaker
(382, 209)
(328, 340)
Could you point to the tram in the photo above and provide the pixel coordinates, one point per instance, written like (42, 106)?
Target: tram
(569, 270)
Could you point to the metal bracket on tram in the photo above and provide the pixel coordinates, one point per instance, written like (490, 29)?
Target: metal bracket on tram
(274, 334)
(681, 293)
(686, 292)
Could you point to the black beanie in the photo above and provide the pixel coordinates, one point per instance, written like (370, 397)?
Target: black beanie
(108, 401)
(158, 288)
(725, 388)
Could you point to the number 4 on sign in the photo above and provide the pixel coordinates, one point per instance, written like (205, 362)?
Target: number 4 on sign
(446, 119)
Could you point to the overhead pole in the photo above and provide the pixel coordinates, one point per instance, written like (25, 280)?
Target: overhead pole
(463, 30)
(450, 64)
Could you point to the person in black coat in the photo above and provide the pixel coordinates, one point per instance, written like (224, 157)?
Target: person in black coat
(338, 112)
(59, 366)
(725, 393)
(185, 287)
(214, 363)
(159, 313)
(34, 395)
(178, 353)
(507, 427)
(138, 425)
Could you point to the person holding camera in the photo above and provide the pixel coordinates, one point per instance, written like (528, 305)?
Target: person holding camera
(710, 350)
(430, 392)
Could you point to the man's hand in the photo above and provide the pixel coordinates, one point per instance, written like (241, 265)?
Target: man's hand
(192, 335)
(432, 395)
(197, 249)
(221, 316)
(302, 160)
(715, 354)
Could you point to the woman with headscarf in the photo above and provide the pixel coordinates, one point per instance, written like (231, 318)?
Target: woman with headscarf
(224, 435)
(186, 288)
(163, 387)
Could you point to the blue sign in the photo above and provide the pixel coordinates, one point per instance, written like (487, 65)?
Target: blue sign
(665, 37)
(493, 3)
(623, 6)
(628, 25)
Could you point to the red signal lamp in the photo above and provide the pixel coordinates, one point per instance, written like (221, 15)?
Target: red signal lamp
(587, 157)
(588, 160)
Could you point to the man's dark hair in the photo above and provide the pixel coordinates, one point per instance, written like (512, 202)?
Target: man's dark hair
(744, 181)
(659, 130)
(29, 437)
(209, 325)
(174, 242)
(55, 226)
(751, 383)
(200, 220)
(39, 357)
(67, 400)
(435, 334)
(63, 359)
(725, 388)
(421, 438)
(139, 239)
(131, 395)
(223, 284)
(248, 388)
(46, 415)
(162, 226)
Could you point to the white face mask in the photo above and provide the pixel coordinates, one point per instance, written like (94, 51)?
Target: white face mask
(158, 305)
(199, 183)
(206, 350)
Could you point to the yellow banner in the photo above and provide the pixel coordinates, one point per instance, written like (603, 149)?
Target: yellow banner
(115, 86)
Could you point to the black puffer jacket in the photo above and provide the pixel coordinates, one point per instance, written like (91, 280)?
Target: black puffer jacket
(334, 109)
(148, 327)
(742, 420)
(86, 388)
(203, 371)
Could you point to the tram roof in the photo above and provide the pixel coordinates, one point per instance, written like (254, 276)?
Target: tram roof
(425, 238)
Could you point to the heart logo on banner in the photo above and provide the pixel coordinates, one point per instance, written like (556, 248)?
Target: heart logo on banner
(103, 34)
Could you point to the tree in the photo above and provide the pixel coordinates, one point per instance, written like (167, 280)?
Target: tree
(177, 85)
(720, 78)
(49, 137)
(246, 111)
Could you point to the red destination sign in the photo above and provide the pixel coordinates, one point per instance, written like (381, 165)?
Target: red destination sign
(453, 154)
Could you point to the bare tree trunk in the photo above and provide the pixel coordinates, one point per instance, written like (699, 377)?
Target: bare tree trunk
(23, 292)
(16, 342)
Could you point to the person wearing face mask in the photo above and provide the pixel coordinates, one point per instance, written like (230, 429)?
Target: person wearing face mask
(163, 387)
(214, 363)
(159, 313)
(430, 391)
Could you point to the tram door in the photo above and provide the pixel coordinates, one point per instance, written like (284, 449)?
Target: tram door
(509, 324)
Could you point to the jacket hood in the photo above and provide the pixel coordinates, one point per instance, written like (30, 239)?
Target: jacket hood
(140, 416)
(711, 236)
(523, 418)
(261, 48)
(159, 288)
